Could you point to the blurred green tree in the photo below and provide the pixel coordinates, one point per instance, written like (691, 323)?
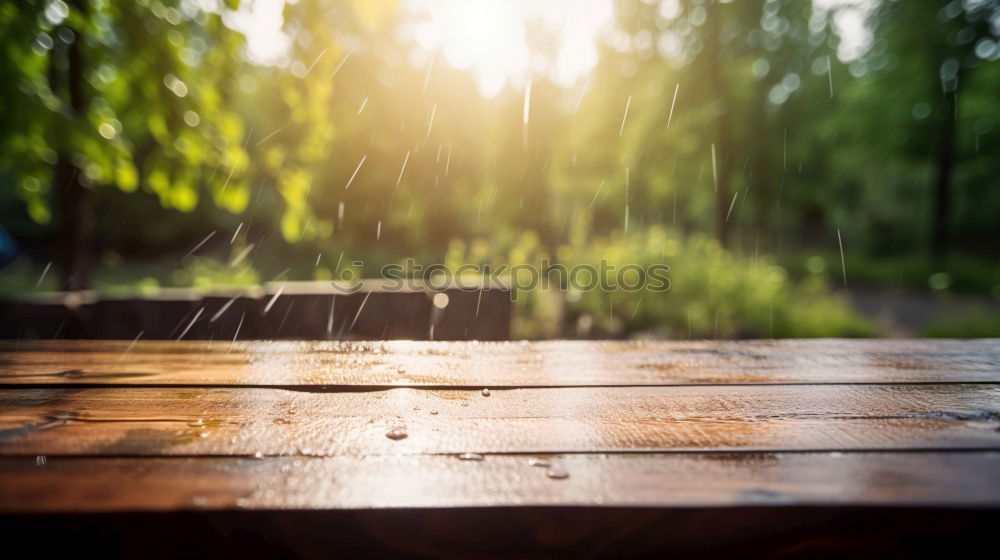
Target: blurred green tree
(936, 49)
(118, 93)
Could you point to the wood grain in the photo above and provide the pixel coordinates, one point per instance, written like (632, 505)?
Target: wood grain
(671, 480)
(246, 421)
(509, 364)
(165, 426)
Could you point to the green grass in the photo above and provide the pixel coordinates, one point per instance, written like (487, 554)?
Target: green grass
(958, 273)
(981, 325)
(713, 292)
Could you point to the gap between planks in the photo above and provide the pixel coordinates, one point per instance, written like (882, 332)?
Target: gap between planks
(354, 388)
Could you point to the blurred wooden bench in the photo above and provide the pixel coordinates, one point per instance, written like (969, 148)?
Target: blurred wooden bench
(277, 310)
(586, 449)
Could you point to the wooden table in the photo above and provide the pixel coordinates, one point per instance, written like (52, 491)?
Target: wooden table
(444, 449)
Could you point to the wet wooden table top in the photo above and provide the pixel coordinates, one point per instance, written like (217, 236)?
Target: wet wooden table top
(94, 426)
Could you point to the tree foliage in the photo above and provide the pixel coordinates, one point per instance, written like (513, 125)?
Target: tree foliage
(749, 122)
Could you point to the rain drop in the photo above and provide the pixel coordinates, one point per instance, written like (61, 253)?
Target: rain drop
(557, 473)
(397, 433)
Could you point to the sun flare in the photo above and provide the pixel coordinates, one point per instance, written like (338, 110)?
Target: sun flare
(491, 38)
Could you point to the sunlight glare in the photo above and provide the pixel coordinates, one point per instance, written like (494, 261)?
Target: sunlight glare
(490, 38)
(261, 21)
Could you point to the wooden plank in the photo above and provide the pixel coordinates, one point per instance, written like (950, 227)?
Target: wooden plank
(246, 421)
(661, 480)
(512, 364)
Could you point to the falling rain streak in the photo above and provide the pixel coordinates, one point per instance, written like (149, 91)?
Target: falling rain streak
(269, 136)
(314, 63)
(42, 277)
(242, 255)
(237, 333)
(273, 299)
(625, 116)
(191, 324)
(355, 174)
(403, 168)
(131, 345)
(583, 92)
(342, 61)
(527, 104)
(715, 174)
(430, 123)
(731, 204)
(427, 78)
(672, 103)
(829, 74)
(596, 194)
(200, 243)
(358, 314)
(843, 264)
(225, 307)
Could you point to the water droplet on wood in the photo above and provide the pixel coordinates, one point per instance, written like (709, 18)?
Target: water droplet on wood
(397, 433)
(557, 473)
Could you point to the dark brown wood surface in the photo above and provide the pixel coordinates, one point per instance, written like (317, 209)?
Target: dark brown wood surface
(692, 479)
(158, 426)
(246, 421)
(497, 364)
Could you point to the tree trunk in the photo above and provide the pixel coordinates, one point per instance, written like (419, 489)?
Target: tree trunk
(76, 228)
(723, 200)
(722, 151)
(942, 187)
(74, 199)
